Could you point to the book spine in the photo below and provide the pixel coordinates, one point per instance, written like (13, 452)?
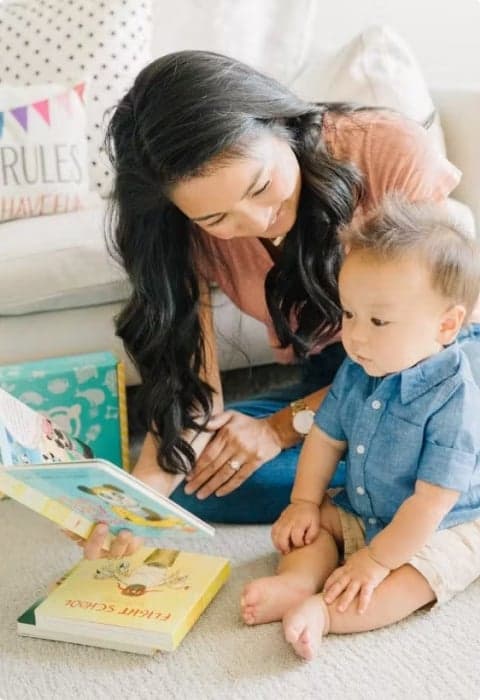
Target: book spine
(123, 415)
(48, 507)
(200, 605)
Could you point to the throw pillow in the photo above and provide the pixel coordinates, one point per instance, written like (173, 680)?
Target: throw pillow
(376, 68)
(43, 150)
(104, 42)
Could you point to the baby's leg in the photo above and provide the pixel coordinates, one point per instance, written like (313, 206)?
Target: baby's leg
(401, 593)
(300, 573)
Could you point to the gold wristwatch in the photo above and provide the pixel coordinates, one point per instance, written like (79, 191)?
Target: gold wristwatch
(302, 417)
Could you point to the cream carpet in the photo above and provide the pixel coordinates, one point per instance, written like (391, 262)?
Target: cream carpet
(432, 655)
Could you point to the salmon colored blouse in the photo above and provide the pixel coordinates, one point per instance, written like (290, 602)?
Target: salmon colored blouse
(392, 153)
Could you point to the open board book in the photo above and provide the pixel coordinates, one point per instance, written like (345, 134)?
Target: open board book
(141, 603)
(47, 471)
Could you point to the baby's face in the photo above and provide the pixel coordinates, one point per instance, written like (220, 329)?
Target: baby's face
(391, 315)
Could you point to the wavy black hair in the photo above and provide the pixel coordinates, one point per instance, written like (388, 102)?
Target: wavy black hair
(185, 112)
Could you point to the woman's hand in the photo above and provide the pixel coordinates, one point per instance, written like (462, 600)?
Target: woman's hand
(124, 544)
(359, 576)
(240, 446)
(297, 526)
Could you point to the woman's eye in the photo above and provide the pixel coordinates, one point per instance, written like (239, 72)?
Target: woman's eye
(262, 189)
(214, 223)
(347, 314)
(379, 322)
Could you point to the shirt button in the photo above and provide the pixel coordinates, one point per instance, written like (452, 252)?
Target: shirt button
(360, 449)
(372, 521)
(360, 490)
(376, 404)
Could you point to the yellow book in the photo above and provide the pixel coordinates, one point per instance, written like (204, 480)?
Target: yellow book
(149, 600)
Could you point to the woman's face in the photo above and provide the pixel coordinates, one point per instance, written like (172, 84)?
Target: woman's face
(255, 195)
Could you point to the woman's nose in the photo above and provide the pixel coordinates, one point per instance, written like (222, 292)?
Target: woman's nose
(257, 219)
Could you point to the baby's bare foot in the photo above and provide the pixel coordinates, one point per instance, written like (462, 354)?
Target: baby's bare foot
(304, 626)
(267, 599)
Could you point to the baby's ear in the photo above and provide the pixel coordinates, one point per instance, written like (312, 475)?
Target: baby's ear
(450, 324)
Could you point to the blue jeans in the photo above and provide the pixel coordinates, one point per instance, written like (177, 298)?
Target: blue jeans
(262, 497)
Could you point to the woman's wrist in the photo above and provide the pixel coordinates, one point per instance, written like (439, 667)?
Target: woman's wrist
(281, 425)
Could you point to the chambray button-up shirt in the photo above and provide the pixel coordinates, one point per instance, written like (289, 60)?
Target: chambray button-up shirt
(422, 423)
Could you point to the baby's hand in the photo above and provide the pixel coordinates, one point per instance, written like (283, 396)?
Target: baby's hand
(360, 575)
(122, 545)
(297, 526)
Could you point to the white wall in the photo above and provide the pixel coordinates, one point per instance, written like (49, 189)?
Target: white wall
(444, 34)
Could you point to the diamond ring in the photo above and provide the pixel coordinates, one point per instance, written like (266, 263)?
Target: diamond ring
(234, 464)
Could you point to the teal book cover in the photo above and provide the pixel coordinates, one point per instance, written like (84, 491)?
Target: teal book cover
(84, 395)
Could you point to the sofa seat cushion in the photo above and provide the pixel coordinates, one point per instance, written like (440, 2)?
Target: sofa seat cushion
(58, 262)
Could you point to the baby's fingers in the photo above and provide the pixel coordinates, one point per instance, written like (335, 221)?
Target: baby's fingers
(365, 597)
(281, 538)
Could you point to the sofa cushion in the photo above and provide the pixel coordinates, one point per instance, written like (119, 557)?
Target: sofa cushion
(58, 41)
(375, 68)
(58, 262)
(43, 149)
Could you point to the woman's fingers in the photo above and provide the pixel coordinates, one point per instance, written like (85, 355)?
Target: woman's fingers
(94, 545)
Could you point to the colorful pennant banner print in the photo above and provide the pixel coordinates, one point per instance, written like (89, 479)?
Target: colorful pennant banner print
(42, 107)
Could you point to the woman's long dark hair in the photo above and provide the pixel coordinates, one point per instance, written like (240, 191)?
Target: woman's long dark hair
(185, 111)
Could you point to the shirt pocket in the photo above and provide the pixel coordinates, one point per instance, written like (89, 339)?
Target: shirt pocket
(393, 462)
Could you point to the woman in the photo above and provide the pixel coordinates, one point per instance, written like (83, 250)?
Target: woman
(223, 175)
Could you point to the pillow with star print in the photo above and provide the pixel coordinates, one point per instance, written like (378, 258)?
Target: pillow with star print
(105, 42)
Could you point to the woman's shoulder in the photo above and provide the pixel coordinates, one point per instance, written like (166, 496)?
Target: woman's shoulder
(350, 133)
(393, 153)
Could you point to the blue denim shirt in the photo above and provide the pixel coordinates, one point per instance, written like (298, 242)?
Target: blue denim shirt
(422, 423)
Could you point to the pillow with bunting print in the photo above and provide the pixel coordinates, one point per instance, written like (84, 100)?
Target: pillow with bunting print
(103, 42)
(43, 150)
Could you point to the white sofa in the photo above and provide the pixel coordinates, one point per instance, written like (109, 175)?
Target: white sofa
(59, 291)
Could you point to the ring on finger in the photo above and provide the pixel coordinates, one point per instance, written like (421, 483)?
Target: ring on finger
(234, 464)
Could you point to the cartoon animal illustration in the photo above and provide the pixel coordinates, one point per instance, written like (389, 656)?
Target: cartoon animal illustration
(68, 418)
(60, 440)
(154, 574)
(128, 508)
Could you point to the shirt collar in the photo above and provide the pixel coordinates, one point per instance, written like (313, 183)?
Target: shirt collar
(420, 378)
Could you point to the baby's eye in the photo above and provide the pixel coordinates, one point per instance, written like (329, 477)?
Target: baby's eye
(379, 322)
(347, 314)
(262, 189)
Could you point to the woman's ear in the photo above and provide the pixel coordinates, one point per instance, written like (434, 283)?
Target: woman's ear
(450, 324)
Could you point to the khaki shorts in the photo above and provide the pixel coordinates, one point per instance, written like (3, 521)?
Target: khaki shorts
(450, 561)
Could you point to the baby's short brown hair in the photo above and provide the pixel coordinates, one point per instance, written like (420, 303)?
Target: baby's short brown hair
(399, 228)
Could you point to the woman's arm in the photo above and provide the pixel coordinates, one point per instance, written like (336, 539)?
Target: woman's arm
(281, 422)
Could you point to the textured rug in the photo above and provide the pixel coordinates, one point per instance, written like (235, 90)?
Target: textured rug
(432, 655)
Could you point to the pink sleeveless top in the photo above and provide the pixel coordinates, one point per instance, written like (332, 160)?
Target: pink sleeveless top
(392, 153)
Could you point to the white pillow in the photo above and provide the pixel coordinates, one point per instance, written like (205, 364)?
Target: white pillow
(68, 41)
(43, 150)
(376, 68)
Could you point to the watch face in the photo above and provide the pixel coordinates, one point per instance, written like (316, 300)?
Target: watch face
(303, 421)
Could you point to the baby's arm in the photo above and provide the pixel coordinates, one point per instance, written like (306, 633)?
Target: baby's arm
(299, 523)
(413, 524)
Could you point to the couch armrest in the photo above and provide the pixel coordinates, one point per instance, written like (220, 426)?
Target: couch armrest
(459, 110)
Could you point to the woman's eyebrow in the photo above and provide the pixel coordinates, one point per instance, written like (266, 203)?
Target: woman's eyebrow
(248, 190)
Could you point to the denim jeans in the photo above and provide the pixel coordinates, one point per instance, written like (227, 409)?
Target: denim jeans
(263, 496)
